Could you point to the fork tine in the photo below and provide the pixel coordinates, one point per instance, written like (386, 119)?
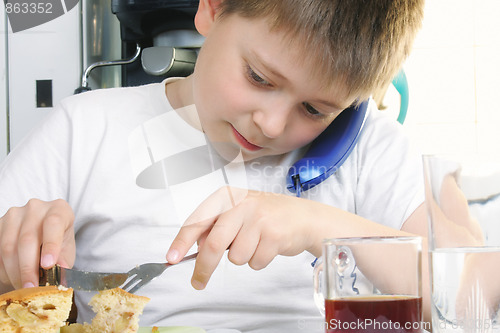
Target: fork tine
(132, 282)
(143, 274)
(138, 285)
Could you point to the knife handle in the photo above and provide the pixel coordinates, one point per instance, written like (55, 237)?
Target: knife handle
(49, 277)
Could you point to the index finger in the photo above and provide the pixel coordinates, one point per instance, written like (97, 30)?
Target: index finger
(186, 238)
(57, 221)
(54, 229)
(200, 221)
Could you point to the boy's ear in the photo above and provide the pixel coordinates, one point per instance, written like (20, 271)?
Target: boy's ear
(205, 16)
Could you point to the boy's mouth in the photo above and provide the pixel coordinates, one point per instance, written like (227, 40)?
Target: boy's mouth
(244, 143)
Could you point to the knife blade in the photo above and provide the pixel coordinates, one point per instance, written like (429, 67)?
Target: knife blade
(80, 280)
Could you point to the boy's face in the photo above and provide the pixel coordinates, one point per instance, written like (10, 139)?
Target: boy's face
(254, 91)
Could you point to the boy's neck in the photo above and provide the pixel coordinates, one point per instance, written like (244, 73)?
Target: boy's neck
(179, 95)
(179, 92)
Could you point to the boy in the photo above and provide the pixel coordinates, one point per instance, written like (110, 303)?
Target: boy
(270, 77)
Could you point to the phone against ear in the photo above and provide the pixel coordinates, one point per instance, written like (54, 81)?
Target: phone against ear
(328, 151)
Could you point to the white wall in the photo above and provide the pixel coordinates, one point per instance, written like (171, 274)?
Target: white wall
(51, 51)
(453, 73)
(3, 83)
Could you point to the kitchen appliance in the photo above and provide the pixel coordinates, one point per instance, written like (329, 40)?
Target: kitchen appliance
(165, 32)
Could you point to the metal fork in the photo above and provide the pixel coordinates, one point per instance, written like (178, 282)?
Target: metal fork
(143, 274)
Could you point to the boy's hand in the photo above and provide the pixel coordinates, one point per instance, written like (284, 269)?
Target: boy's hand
(38, 234)
(256, 229)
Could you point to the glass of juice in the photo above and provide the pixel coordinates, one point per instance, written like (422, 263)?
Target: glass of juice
(370, 284)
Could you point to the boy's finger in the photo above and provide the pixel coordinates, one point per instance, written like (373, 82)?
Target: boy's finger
(203, 219)
(244, 245)
(198, 223)
(203, 269)
(9, 248)
(185, 239)
(11, 264)
(4, 278)
(29, 244)
(210, 253)
(54, 228)
(266, 251)
(29, 251)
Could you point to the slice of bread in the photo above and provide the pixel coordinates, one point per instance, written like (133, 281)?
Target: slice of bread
(46, 310)
(117, 311)
(35, 310)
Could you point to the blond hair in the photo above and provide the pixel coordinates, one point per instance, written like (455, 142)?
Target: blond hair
(360, 43)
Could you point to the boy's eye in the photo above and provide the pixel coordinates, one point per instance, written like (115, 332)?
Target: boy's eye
(256, 78)
(310, 109)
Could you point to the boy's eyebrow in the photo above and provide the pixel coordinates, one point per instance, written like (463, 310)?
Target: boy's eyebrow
(268, 67)
(273, 71)
(335, 105)
(332, 105)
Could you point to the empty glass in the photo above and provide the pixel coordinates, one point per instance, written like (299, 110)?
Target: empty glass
(463, 204)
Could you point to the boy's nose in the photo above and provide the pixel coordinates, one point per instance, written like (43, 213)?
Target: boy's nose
(272, 120)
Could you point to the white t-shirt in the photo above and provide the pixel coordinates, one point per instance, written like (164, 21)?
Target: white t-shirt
(81, 153)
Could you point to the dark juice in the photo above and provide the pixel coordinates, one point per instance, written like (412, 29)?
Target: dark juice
(374, 314)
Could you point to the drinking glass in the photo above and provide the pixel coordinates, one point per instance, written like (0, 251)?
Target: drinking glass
(370, 284)
(463, 205)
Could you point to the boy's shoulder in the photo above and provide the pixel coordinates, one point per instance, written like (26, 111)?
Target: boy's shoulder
(379, 122)
(382, 136)
(105, 94)
(144, 98)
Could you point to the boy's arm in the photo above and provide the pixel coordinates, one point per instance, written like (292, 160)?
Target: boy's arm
(262, 226)
(417, 224)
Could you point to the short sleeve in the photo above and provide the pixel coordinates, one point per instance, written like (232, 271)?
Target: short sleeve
(390, 172)
(38, 166)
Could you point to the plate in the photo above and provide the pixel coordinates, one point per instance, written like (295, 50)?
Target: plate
(173, 329)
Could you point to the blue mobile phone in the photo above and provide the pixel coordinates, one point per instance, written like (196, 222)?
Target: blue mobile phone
(329, 150)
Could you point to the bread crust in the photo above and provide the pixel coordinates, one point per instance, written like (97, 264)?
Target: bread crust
(31, 293)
